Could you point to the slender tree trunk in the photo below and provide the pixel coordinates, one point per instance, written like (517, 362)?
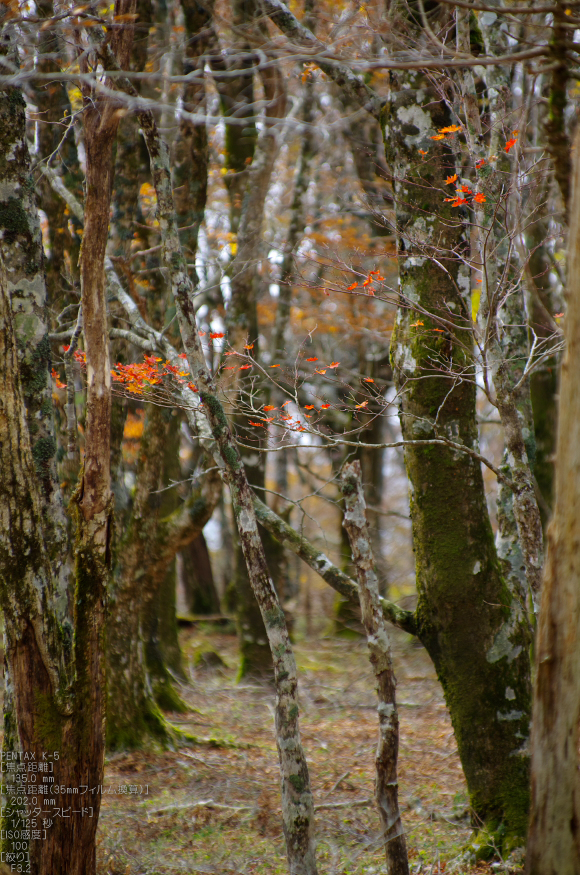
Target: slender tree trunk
(387, 786)
(554, 836)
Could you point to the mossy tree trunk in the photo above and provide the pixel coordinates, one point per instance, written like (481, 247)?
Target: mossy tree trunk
(145, 553)
(467, 618)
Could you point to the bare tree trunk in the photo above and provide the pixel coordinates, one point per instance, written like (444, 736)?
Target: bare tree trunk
(387, 786)
(554, 835)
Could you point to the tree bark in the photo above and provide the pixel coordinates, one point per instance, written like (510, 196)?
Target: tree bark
(554, 835)
(469, 621)
(387, 786)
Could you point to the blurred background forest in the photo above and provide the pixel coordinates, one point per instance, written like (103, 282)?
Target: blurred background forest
(344, 226)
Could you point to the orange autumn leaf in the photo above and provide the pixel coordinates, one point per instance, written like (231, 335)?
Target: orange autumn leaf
(269, 419)
(324, 406)
(417, 323)
(440, 330)
(244, 367)
(58, 381)
(350, 288)
(270, 407)
(423, 152)
(257, 424)
(479, 164)
(438, 137)
(202, 333)
(368, 380)
(285, 403)
(451, 179)
(182, 355)
(364, 404)
(320, 372)
(274, 366)
(458, 201)
(510, 144)
(231, 352)
(309, 407)
(313, 359)
(229, 368)
(215, 334)
(334, 364)
(450, 129)
(368, 281)
(479, 198)
(249, 346)
(192, 387)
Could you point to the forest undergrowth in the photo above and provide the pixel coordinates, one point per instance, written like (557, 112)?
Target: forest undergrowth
(213, 806)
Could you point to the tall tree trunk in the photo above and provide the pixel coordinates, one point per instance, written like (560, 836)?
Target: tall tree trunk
(469, 621)
(554, 836)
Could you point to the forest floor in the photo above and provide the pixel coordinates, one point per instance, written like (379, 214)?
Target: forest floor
(213, 807)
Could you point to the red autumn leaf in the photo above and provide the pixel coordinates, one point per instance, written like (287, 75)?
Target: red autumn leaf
(216, 334)
(257, 424)
(244, 367)
(324, 406)
(479, 164)
(510, 144)
(202, 333)
(479, 198)
(66, 348)
(270, 407)
(182, 355)
(192, 387)
(313, 359)
(231, 352)
(229, 368)
(269, 419)
(309, 407)
(58, 381)
(285, 403)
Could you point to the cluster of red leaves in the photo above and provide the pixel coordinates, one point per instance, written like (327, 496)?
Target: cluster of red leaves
(373, 276)
(137, 377)
(461, 190)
